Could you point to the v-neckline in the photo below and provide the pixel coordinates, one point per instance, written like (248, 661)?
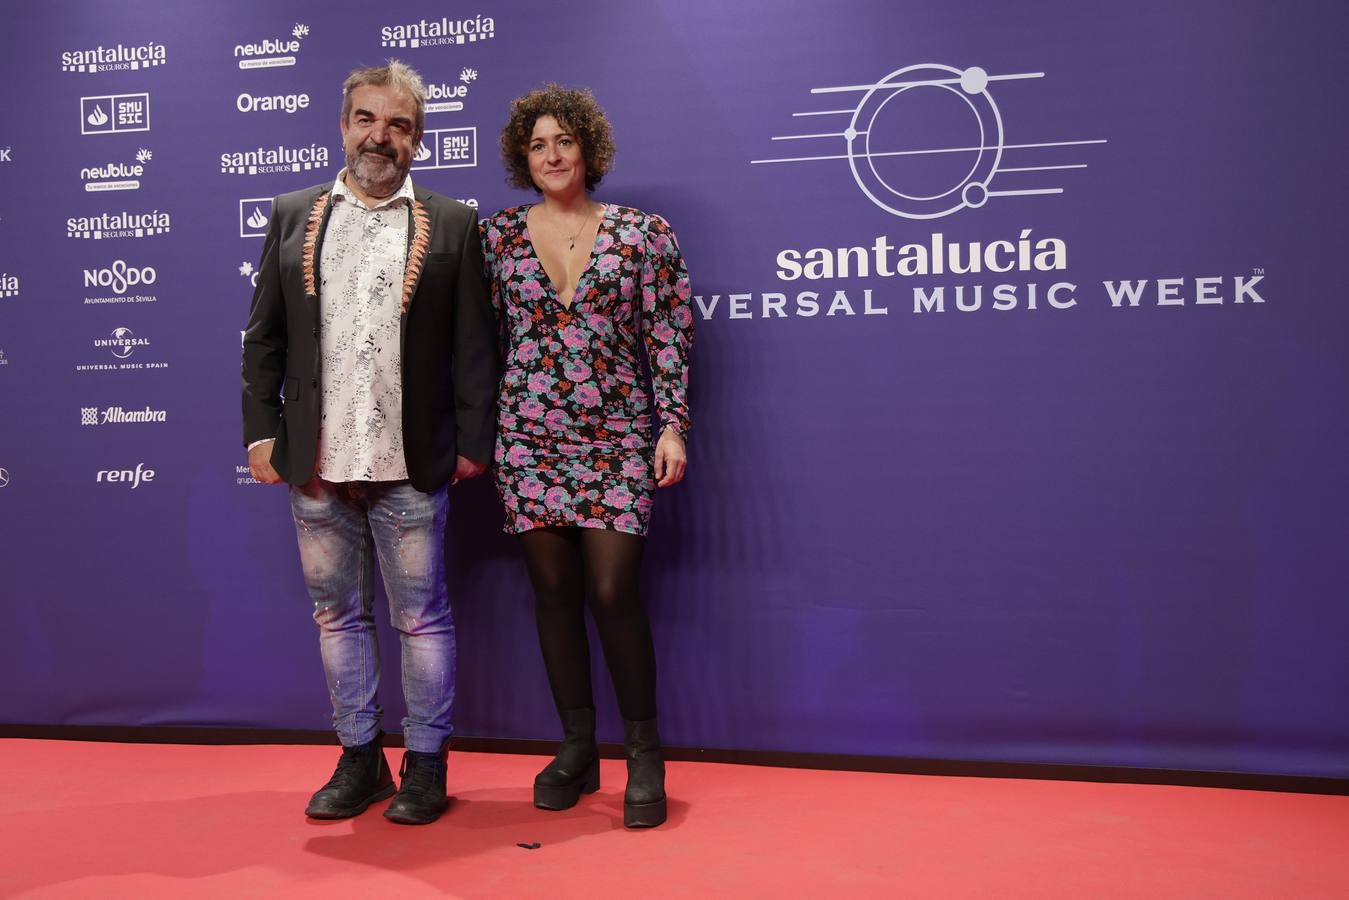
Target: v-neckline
(585, 270)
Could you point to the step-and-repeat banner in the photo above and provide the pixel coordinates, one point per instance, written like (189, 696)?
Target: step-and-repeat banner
(1019, 386)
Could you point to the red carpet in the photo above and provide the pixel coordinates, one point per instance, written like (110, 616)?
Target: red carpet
(119, 820)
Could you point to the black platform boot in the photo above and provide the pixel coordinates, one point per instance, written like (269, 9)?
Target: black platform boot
(644, 800)
(421, 797)
(576, 768)
(362, 777)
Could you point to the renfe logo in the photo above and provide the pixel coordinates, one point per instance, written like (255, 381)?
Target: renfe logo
(946, 165)
(135, 477)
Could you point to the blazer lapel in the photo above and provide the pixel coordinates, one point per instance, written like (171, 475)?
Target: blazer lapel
(419, 236)
(312, 253)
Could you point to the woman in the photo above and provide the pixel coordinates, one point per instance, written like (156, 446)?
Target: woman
(578, 284)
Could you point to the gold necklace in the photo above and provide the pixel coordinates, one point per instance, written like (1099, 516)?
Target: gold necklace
(571, 241)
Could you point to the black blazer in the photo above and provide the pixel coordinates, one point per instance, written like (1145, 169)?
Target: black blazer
(448, 337)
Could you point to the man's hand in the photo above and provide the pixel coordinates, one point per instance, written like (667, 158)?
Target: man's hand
(466, 468)
(671, 460)
(260, 463)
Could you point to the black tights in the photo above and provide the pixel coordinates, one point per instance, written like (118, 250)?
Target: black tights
(566, 564)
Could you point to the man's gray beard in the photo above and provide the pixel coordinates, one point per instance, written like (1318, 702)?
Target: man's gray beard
(379, 187)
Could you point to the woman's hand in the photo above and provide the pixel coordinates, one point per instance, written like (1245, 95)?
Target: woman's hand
(671, 460)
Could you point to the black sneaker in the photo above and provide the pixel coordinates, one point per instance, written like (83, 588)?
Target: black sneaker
(421, 798)
(362, 777)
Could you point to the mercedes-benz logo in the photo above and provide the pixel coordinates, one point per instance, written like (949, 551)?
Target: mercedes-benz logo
(4, 477)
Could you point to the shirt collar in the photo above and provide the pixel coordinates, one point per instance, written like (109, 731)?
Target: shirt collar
(342, 192)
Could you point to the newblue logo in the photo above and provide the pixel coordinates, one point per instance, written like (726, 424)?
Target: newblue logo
(927, 141)
(118, 56)
(116, 176)
(268, 160)
(271, 53)
(441, 97)
(254, 214)
(447, 148)
(118, 225)
(114, 114)
(9, 285)
(438, 32)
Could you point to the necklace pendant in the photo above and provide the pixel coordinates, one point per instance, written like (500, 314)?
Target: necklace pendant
(572, 245)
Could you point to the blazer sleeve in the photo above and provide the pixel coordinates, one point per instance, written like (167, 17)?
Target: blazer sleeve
(475, 353)
(264, 352)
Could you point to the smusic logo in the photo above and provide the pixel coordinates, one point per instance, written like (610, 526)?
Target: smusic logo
(254, 214)
(447, 148)
(114, 114)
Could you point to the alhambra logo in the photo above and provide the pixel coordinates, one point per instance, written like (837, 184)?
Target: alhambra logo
(116, 415)
(438, 32)
(118, 56)
(9, 285)
(270, 160)
(117, 176)
(948, 164)
(271, 52)
(114, 113)
(107, 226)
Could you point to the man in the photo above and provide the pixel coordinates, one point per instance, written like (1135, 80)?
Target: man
(369, 381)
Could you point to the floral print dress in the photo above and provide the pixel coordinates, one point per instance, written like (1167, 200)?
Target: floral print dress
(575, 435)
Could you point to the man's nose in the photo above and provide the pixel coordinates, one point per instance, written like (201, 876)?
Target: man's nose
(379, 133)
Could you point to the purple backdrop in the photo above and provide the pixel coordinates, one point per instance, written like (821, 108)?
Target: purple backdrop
(1099, 519)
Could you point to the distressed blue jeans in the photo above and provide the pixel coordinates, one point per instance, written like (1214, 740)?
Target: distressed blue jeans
(342, 529)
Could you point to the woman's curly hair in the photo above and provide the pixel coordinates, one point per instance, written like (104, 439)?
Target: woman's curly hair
(575, 110)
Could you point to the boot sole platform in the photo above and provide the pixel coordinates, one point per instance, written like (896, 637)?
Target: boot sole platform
(644, 815)
(564, 796)
(346, 812)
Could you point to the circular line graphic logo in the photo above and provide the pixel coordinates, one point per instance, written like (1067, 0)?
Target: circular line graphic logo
(927, 140)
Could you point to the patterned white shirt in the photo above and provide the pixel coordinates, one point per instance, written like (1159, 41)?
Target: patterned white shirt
(360, 297)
